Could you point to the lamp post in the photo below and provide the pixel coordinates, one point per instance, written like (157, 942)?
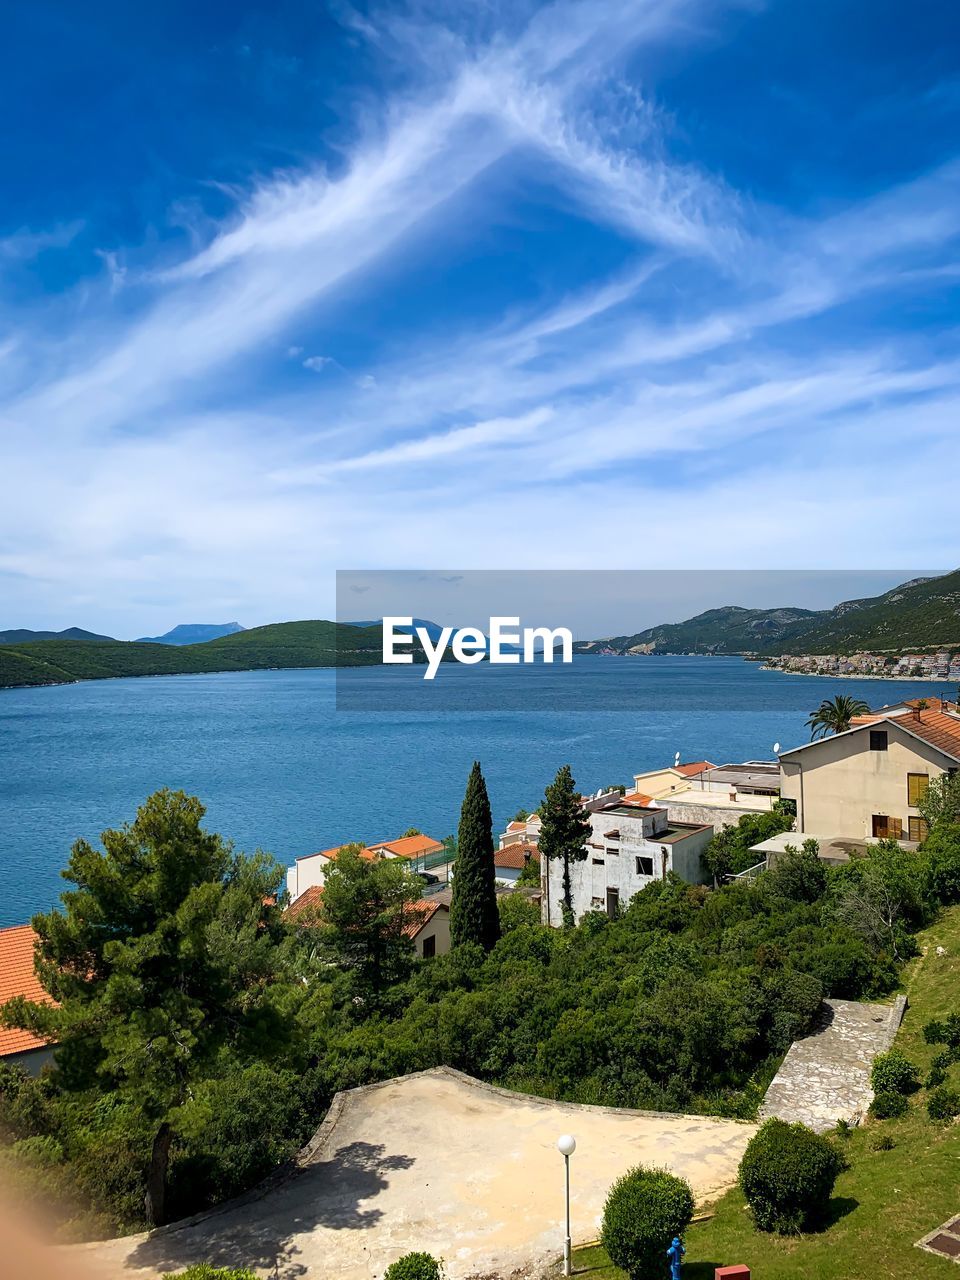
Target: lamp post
(567, 1145)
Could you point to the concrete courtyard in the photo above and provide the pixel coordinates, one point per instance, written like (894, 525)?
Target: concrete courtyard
(441, 1162)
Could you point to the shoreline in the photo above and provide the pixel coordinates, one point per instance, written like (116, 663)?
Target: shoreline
(856, 675)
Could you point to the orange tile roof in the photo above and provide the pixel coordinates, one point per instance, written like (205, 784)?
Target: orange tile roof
(691, 770)
(17, 978)
(936, 727)
(420, 914)
(514, 856)
(410, 846)
(308, 903)
(516, 826)
(637, 798)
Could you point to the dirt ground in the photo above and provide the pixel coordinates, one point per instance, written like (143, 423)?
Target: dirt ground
(440, 1162)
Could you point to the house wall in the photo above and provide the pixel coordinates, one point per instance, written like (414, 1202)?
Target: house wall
(839, 784)
(717, 816)
(32, 1061)
(438, 927)
(306, 873)
(659, 782)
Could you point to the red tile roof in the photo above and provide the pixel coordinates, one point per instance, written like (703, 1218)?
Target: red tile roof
(410, 846)
(419, 914)
(691, 770)
(308, 903)
(514, 856)
(637, 798)
(936, 727)
(17, 978)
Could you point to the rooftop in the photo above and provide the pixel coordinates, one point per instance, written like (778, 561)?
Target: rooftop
(17, 978)
(515, 856)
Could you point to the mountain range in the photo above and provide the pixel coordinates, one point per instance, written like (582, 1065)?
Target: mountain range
(923, 613)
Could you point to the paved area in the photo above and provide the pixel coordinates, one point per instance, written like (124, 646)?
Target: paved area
(441, 1162)
(825, 1077)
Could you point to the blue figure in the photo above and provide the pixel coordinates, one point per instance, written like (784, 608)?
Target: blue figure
(675, 1253)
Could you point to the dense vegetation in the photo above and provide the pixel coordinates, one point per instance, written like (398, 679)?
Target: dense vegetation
(280, 645)
(917, 615)
(194, 1012)
(901, 1177)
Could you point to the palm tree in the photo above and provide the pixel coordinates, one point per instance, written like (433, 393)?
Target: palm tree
(834, 715)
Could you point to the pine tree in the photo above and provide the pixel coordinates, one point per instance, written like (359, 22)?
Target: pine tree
(473, 911)
(564, 829)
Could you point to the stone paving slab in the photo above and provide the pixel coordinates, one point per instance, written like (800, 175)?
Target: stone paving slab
(943, 1241)
(825, 1076)
(435, 1161)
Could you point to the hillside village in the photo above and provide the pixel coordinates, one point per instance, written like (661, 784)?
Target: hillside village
(699, 829)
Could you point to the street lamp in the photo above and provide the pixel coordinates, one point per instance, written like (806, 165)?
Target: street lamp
(567, 1145)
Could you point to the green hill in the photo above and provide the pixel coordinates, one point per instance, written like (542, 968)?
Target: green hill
(921, 614)
(730, 629)
(282, 644)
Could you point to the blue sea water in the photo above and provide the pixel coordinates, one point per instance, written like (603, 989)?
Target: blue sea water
(280, 767)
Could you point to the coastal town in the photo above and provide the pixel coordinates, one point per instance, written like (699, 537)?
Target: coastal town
(941, 665)
(863, 795)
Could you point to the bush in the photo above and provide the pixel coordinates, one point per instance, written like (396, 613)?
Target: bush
(883, 1142)
(893, 1072)
(943, 1103)
(943, 1031)
(887, 1105)
(204, 1271)
(645, 1209)
(415, 1266)
(787, 1175)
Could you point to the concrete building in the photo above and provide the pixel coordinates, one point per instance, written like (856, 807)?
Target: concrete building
(426, 923)
(718, 795)
(630, 846)
(866, 783)
(17, 978)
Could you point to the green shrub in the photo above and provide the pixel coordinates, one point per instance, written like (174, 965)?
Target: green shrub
(893, 1072)
(936, 1077)
(645, 1209)
(415, 1266)
(935, 1031)
(204, 1271)
(943, 1103)
(883, 1142)
(887, 1105)
(787, 1175)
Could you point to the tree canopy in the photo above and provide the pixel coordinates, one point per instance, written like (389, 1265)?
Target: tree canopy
(473, 911)
(564, 829)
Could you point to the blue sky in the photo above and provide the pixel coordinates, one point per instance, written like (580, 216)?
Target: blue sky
(289, 288)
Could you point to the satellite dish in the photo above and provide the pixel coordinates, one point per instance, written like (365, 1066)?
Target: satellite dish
(676, 759)
(776, 748)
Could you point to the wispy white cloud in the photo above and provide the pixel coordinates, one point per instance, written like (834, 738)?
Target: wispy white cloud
(158, 426)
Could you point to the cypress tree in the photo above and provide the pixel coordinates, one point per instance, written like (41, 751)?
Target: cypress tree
(473, 911)
(564, 829)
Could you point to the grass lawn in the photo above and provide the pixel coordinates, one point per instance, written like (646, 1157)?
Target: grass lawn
(885, 1201)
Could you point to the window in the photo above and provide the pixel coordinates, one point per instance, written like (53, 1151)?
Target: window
(596, 902)
(613, 853)
(429, 947)
(613, 903)
(644, 866)
(887, 828)
(598, 862)
(917, 828)
(917, 784)
(878, 739)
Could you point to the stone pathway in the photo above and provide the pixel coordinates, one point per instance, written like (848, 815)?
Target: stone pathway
(825, 1077)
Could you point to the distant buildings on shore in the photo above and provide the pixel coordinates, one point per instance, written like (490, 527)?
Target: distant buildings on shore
(943, 665)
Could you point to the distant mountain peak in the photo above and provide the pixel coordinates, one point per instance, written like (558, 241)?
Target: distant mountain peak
(194, 633)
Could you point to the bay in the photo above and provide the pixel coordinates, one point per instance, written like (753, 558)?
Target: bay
(281, 768)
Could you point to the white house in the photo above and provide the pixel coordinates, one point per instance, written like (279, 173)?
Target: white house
(631, 844)
(310, 869)
(510, 859)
